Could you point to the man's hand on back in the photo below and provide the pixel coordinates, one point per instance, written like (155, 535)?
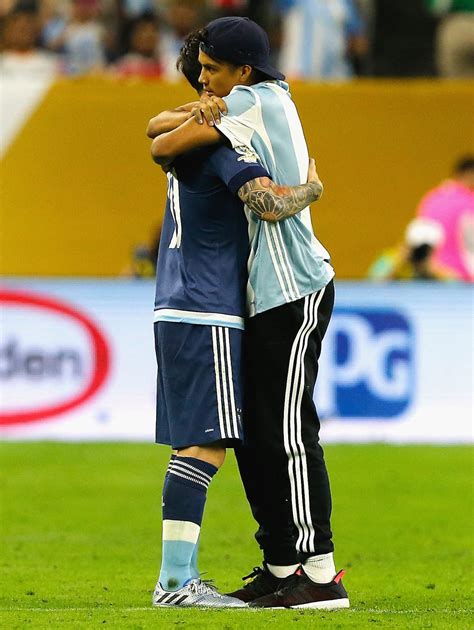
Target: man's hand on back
(313, 175)
(209, 109)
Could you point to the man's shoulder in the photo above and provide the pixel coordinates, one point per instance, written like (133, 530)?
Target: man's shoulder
(199, 157)
(200, 168)
(243, 98)
(240, 99)
(215, 154)
(250, 92)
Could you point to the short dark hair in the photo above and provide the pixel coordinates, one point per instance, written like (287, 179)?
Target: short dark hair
(257, 76)
(464, 164)
(188, 62)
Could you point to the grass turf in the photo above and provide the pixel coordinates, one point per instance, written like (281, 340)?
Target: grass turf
(81, 538)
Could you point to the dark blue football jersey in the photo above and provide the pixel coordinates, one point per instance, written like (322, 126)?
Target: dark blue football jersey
(202, 260)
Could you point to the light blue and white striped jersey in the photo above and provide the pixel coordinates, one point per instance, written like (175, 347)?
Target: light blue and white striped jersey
(315, 38)
(286, 260)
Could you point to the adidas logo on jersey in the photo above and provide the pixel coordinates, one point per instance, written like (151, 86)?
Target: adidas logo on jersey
(246, 154)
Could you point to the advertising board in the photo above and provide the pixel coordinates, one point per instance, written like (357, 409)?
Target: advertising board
(77, 362)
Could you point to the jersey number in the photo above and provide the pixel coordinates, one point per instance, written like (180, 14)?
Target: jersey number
(173, 196)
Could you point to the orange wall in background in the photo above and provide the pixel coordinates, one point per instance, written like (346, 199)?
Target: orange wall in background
(79, 190)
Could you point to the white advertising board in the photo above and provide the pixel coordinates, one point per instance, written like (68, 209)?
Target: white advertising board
(77, 362)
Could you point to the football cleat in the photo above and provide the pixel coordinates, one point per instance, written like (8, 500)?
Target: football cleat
(304, 593)
(259, 583)
(195, 593)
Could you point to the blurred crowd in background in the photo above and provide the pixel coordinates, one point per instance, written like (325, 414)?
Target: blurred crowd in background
(310, 39)
(314, 40)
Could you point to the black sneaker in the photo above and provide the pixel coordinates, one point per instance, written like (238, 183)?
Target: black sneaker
(304, 593)
(260, 583)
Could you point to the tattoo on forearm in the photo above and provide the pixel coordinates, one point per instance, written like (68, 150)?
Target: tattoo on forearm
(270, 202)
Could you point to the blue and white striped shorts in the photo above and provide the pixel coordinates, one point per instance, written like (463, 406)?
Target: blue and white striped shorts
(199, 384)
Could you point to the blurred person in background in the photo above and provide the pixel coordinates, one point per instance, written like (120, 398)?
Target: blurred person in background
(6, 6)
(264, 12)
(454, 37)
(223, 8)
(79, 36)
(135, 8)
(451, 206)
(402, 39)
(259, 11)
(117, 15)
(84, 38)
(143, 258)
(21, 56)
(180, 17)
(141, 45)
(53, 15)
(141, 265)
(412, 259)
(320, 37)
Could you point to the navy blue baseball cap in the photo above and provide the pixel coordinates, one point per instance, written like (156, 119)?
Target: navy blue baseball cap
(240, 41)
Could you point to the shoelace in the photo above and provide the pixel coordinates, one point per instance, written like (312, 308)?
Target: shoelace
(204, 587)
(255, 572)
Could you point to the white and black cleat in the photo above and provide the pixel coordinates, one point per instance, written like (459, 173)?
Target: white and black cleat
(195, 594)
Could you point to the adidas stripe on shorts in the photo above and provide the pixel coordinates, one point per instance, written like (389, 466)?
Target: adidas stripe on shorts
(199, 393)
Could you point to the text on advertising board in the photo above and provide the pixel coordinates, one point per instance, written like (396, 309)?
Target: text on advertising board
(58, 352)
(367, 369)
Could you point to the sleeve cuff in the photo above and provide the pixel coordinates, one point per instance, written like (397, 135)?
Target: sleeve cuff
(252, 172)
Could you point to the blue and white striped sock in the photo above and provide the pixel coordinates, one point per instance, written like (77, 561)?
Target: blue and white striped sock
(194, 560)
(184, 497)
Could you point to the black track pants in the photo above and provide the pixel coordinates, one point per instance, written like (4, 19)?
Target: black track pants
(282, 464)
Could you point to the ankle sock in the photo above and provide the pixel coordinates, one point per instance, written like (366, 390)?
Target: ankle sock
(282, 571)
(320, 569)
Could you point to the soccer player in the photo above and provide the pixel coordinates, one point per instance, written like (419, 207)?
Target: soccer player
(290, 298)
(199, 319)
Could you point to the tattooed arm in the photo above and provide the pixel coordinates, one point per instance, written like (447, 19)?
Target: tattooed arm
(271, 202)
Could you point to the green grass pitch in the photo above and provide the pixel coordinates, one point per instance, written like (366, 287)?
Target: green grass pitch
(81, 538)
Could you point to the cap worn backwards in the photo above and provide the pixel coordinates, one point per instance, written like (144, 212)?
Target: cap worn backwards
(240, 41)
